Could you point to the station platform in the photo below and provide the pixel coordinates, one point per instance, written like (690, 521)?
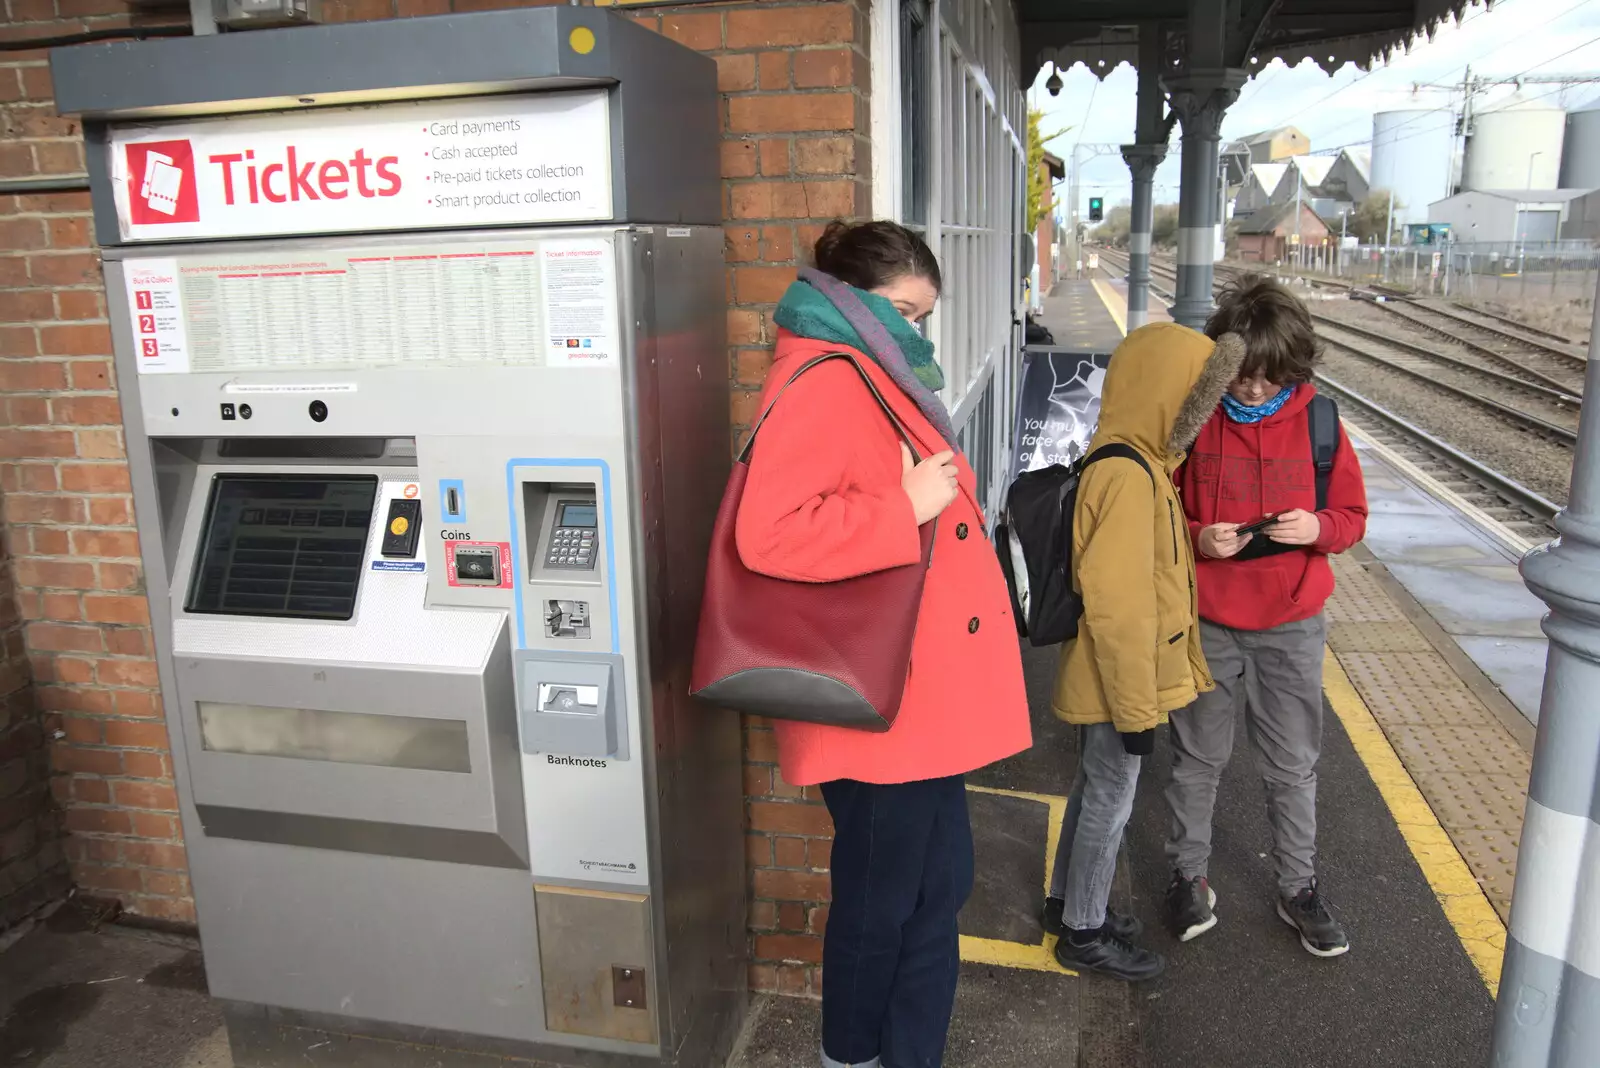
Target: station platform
(1431, 691)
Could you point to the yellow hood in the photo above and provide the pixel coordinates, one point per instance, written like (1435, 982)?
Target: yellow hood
(1163, 383)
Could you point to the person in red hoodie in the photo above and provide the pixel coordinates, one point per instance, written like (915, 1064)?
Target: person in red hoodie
(1261, 595)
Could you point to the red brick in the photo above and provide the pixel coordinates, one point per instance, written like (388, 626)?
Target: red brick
(105, 543)
(750, 367)
(155, 826)
(98, 478)
(742, 407)
(101, 444)
(110, 512)
(155, 796)
(83, 730)
(60, 638)
(76, 759)
(91, 791)
(775, 157)
(28, 411)
(57, 574)
(819, 854)
(71, 8)
(138, 704)
(358, 10)
(18, 340)
(14, 270)
(780, 788)
(33, 10)
(10, 86)
(70, 269)
(135, 734)
(145, 765)
(166, 884)
(173, 909)
(738, 159)
(119, 576)
(86, 411)
(156, 855)
(781, 113)
(791, 885)
(760, 747)
(59, 157)
(36, 443)
(410, 8)
(794, 200)
(824, 155)
(74, 699)
(56, 204)
(78, 304)
(69, 669)
(762, 285)
(30, 123)
(757, 780)
(757, 851)
(825, 68)
(115, 608)
(90, 375)
(99, 850)
(788, 947)
(744, 327)
(36, 84)
(47, 542)
(20, 234)
(763, 977)
(16, 161)
(62, 608)
(774, 70)
(736, 72)
(701, 31)
(762, 916)
(97, 821)
(20, 306)
(789, 852)
(128, 673)
(777, 243)
(70, 231)
(743, 243)
(786, 818)
(18, 375)
(777, 27)
(35, 478)
(108, 879)
(127, 641)
(86, 339)
(795, 980)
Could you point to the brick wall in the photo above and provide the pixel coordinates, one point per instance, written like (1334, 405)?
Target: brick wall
(795, 154)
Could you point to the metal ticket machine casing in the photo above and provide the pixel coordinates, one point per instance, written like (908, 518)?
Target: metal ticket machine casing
(419, 332)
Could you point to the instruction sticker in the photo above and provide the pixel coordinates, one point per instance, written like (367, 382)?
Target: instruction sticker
(579, 304)
(469, 564)
(400, 565)
(155, 306)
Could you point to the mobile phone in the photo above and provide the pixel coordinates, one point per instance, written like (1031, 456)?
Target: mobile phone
(1259, 525)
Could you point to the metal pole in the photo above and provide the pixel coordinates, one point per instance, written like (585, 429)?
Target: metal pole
(1548, 1012)
(1150, 133)
(1298, 181)
(1388, 237)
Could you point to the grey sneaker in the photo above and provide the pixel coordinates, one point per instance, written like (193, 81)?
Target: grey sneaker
(1189, 907)
(1320, 934)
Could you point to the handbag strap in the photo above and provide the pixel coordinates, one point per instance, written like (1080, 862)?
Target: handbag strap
(905, 435)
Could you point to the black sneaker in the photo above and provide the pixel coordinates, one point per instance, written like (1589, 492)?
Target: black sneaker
(1111, 956)
(1320, 933)
(1189, 904)
(1125, 927)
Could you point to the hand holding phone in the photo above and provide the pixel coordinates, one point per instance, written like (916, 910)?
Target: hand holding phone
(1259, 525)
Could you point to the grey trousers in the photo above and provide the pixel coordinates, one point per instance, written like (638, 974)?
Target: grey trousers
(1279, 674)
(1097, 812)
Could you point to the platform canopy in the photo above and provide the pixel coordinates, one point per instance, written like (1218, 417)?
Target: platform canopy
(1101, 34)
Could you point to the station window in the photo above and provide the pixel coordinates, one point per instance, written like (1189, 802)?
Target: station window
(915, 131)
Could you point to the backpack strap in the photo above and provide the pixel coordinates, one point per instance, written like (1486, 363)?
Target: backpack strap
(1322, 420)
(1127, 452)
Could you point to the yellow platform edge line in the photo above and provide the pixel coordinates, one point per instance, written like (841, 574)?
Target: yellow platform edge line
(1003, 954)
(1465, 905)
(1113, 303)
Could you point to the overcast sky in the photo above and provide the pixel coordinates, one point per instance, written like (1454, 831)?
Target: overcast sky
(1518, 36)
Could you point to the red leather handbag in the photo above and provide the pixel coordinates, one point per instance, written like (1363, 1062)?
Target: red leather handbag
(836, 653)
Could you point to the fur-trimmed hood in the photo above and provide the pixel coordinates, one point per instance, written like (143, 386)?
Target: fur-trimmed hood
(1163, 383)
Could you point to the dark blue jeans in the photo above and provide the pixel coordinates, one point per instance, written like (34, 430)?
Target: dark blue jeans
(902, 869)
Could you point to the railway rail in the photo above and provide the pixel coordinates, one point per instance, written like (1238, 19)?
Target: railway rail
(1507, 499)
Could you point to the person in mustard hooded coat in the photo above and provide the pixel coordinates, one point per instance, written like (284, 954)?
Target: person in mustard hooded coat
(1137, 655)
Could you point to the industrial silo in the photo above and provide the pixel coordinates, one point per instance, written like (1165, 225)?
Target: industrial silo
(1412, 153)
(1515, 144)
(1580, 153)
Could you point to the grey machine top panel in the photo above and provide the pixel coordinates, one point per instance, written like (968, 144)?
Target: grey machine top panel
(665, 157)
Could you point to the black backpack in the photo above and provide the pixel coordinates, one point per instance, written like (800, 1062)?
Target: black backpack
(1034, 536)
(1034, 541)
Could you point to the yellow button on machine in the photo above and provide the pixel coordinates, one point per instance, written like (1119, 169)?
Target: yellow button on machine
(399, 526)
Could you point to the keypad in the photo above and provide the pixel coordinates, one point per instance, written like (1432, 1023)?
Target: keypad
(571, 548)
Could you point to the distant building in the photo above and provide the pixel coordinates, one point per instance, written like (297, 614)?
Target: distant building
(1332, 185)
(1044, 240)
(1583, 219)
(1259, 189)
(1269, 236)
(1506, 216)
(1274, 146)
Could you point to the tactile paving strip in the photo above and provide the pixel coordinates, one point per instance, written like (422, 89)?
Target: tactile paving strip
(1472, 772)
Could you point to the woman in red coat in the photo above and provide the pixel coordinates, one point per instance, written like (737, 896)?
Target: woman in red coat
(832, 494)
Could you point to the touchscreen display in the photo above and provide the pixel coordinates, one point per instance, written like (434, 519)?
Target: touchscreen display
(283, 545)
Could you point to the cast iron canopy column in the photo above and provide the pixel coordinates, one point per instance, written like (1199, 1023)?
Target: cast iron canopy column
(1200, 98)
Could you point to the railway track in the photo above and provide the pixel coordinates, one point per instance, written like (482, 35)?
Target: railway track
(1513, 503)
(1552, 364)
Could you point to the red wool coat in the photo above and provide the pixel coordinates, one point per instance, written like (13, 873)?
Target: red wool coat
(823, 502)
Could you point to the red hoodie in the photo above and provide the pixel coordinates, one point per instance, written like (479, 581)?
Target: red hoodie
(1239, 472)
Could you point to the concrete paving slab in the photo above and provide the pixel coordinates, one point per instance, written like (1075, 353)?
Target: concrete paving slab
(1515, 664)
(1010, 836)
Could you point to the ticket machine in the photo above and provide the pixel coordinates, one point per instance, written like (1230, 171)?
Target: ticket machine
(419, 335)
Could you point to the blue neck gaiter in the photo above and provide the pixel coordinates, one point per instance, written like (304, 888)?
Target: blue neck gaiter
(1244, 413)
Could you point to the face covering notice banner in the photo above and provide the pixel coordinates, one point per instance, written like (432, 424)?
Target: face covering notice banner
(1058, 407)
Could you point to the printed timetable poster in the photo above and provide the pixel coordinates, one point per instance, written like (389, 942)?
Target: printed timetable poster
(1058, 407)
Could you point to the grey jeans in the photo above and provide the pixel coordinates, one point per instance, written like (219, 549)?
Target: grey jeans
(1097, 812)
(1279, 674)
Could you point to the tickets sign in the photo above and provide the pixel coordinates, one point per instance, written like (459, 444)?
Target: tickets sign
(452, 163)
